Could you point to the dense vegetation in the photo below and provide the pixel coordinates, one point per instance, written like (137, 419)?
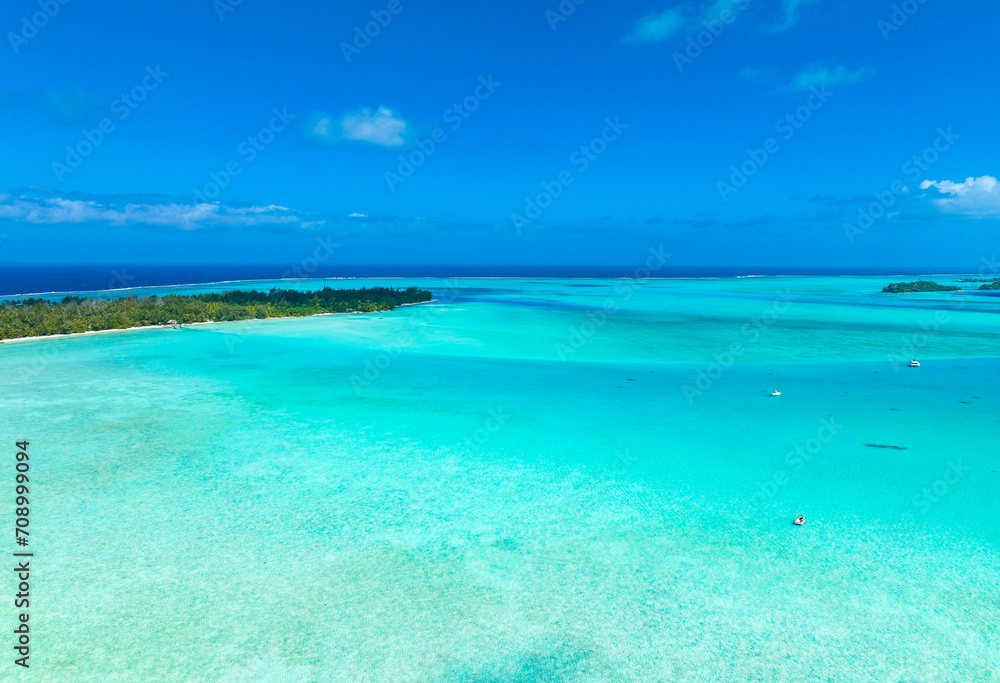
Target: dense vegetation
(993, 284)
(37, 317)
(919, 286)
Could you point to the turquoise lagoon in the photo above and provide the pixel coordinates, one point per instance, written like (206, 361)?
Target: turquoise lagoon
(525, 480)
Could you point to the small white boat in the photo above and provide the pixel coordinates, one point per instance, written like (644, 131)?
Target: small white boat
(914, 363)
(799, 520)
(775, 393)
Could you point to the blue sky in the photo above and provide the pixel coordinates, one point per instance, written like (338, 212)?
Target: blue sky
(802, 132)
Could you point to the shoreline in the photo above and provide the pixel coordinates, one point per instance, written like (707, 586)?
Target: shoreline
(203, 322)
(116, 329)
(476, 277)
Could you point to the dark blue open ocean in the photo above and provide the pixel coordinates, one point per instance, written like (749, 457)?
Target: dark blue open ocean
(32, 279)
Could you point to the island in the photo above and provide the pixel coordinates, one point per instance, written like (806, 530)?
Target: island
(36, 317)
(919, 286)
(993, 284)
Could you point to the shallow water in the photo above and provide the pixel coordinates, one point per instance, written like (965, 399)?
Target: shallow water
(573, 480)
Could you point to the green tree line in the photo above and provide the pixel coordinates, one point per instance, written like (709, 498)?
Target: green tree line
(38, 317)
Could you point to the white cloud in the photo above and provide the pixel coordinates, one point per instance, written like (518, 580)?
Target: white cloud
(687, 17)
(791, 9)
(381, 127)
(975, 197)
(57, 210)
(322, 127)
(357, 215)
(838, 75)
(658, 26)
